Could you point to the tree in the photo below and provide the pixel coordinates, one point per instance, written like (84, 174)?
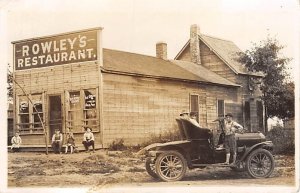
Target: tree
(277, 89)
(9, 84)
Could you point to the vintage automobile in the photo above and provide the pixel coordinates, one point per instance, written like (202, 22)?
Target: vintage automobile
(197, 149)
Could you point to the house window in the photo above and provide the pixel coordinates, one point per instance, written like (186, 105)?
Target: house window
(37, 113)
(194, 105)
(90, 109)
(74, 113)
(247, 115)
(260, 115)
(24, 121)
(221, 108)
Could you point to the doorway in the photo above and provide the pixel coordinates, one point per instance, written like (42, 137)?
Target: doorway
(55, 114)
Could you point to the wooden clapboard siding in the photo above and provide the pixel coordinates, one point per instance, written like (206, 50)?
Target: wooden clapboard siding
(59, 78)
(55, 81)
(135, 107)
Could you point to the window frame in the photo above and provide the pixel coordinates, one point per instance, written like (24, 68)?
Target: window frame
(198, 105)
(30, 129)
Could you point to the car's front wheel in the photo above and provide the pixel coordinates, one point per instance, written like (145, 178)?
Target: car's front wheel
(260, 163)
(170, 166)
(150, 167)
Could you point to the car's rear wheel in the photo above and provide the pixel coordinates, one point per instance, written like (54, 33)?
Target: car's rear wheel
(150, 167)
(260, 163)
(170, 166)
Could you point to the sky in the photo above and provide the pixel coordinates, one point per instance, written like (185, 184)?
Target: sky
(137, 25)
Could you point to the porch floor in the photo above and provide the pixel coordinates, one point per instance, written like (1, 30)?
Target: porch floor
(42, 148)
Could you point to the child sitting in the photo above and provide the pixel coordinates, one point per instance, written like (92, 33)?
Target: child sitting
(70, 143)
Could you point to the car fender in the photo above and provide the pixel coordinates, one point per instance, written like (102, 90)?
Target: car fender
(268, 145)
(147, 148)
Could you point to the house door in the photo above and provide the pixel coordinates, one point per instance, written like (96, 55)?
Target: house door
(55, 114)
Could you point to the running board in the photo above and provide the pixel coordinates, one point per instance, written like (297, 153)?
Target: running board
(213, 165)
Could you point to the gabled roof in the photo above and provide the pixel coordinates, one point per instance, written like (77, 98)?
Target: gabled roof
(141, 65)
(226, 50)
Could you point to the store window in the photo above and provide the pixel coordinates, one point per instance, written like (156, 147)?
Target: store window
(37, 113)
(90, 109)
(74, 112)
(29, 112)
(24, 122)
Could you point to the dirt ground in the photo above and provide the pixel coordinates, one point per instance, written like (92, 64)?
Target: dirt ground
(111, 169)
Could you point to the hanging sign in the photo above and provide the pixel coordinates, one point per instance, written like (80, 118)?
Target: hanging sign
(55, 50)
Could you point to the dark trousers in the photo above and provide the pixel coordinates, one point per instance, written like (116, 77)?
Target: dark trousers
(56, 146)
(87, 144)
(230, 144)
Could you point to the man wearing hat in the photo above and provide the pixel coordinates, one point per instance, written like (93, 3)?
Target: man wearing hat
(230, 127)
(57, 139)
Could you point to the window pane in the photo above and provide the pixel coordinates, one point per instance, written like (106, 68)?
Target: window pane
(36, 120)
(194, 103)
(221, 108)
(74, 100)
(90, 99)
(247, 115)
(24, 119)
(75, 113)
(23, 104)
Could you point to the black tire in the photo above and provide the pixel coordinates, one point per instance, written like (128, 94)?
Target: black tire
(150, 168)
(240, 166)
(260, 163)
(170, 163)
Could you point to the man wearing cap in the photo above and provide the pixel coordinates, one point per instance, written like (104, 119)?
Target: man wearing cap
(193, 117)
(190, 116)
(230, 127)
(57, 139)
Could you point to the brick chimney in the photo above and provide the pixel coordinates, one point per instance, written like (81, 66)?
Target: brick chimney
(161, 50)
(195, 44)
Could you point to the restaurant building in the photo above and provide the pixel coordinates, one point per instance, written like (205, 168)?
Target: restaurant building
(68, 82)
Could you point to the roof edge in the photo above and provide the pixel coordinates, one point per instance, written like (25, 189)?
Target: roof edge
(164, 77)
(214, 51)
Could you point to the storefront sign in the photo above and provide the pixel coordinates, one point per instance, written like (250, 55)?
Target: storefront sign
(90, 101)
(56, 50)
(23, 107)
(74, 99)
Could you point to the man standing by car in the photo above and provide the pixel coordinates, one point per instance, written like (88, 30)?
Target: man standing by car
(230, 127)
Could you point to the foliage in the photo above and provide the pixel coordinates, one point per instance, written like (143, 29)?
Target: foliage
(278, 91)
(117, 144)
(169, 135)
(283, 140)
(9, 84)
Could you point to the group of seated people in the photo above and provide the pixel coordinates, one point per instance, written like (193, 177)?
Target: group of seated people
(57, 140)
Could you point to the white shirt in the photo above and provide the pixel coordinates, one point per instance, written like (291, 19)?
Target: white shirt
(88, 136)
(231, 127)
(16, 140)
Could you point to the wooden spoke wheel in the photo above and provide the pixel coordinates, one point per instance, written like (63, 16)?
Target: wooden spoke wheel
(170, 166)
(260, 163)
